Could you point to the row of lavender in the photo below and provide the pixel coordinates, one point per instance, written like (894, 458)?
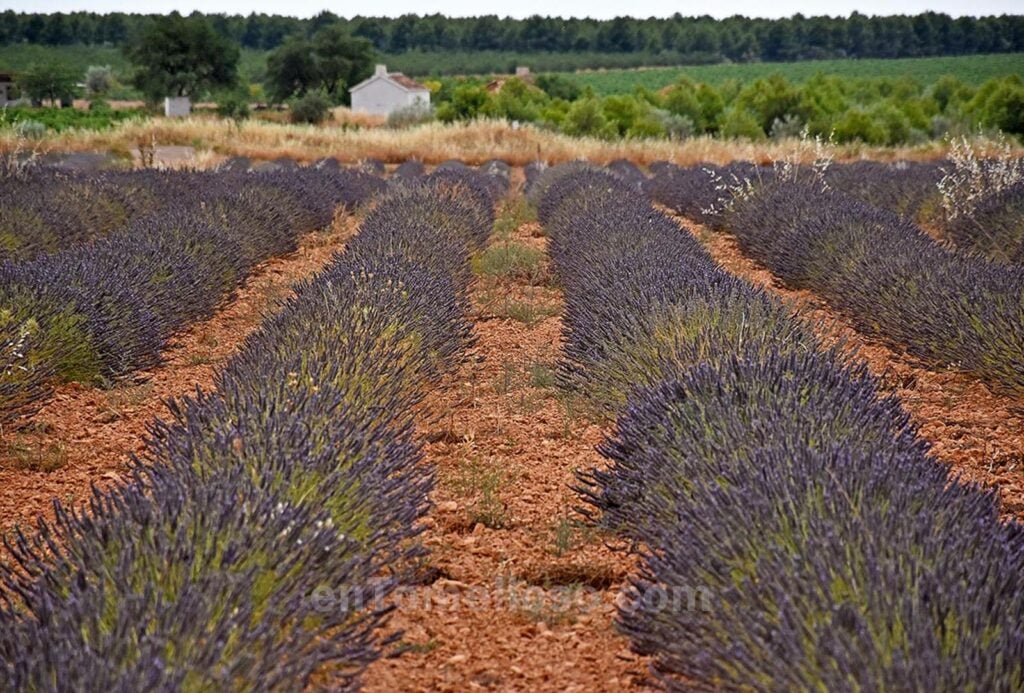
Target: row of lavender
(992, 225)
(47, 209)
(797, 533)
(265, 521)
(97, 312)
(894, 281)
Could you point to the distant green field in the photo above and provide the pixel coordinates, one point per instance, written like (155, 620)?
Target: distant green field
(972, 69)
(23, 55)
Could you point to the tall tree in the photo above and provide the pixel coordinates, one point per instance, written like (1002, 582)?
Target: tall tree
(343, 60)
(178, 56)
(332, 62)
(291, 70)
(49, 82)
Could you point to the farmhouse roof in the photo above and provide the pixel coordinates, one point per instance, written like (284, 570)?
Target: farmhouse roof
(381, 72)
(523, 74)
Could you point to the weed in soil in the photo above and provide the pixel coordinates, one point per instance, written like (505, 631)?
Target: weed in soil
(35, 455)
(542, 375)
(483, 482)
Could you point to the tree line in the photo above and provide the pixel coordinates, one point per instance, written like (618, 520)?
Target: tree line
(186, 56)
(691, 39)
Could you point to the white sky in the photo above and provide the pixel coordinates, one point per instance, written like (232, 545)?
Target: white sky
(525, 8)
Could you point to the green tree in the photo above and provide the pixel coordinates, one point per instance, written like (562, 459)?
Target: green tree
(516, 101)
(701, 104)
(291, 70)
(342, 60)
(780, 41)
(822, 101)
(332, 62)
(858, 124)
(178, 56)
(681, 99)
(622, 113)
(49, 82)
(949, 92)
(234, 105)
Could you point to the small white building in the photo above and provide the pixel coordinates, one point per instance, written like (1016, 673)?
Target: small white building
(6, 89)
(386, 92)
(177, 107)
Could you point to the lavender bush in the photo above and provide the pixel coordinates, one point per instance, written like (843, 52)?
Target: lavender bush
(796, 533)
(265, 521)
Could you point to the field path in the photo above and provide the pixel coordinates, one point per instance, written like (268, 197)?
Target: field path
(517, 594)
(978, 432)
(84, 435)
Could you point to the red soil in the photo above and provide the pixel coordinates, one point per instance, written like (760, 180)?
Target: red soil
(522, 594)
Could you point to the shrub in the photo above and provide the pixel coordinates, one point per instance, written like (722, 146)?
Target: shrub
(559, 87)
(264, 518)
(1000, 104)
(893, 122)
(740, 123)
(768, 99)
(234, 106)
(859, 125)
(788, 127)
(977, 169)
(410, 116)
(466, 103)
(30, 129)
(311, 109)
(890, 278)
(681, 100)
(906, 188)
(100, 311)
(99, 80)
(586, 118)
(793, 528)
(994, 227)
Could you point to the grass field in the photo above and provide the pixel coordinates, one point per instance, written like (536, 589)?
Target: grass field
(972, 69)
(474, 142)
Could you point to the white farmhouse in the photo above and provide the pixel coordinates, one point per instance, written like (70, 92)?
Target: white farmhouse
(386, 92)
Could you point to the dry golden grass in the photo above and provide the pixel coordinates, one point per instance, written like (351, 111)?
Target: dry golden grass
(352, 138)
(346, 117)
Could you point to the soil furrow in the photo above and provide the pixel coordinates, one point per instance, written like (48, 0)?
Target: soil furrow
(517, 593)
